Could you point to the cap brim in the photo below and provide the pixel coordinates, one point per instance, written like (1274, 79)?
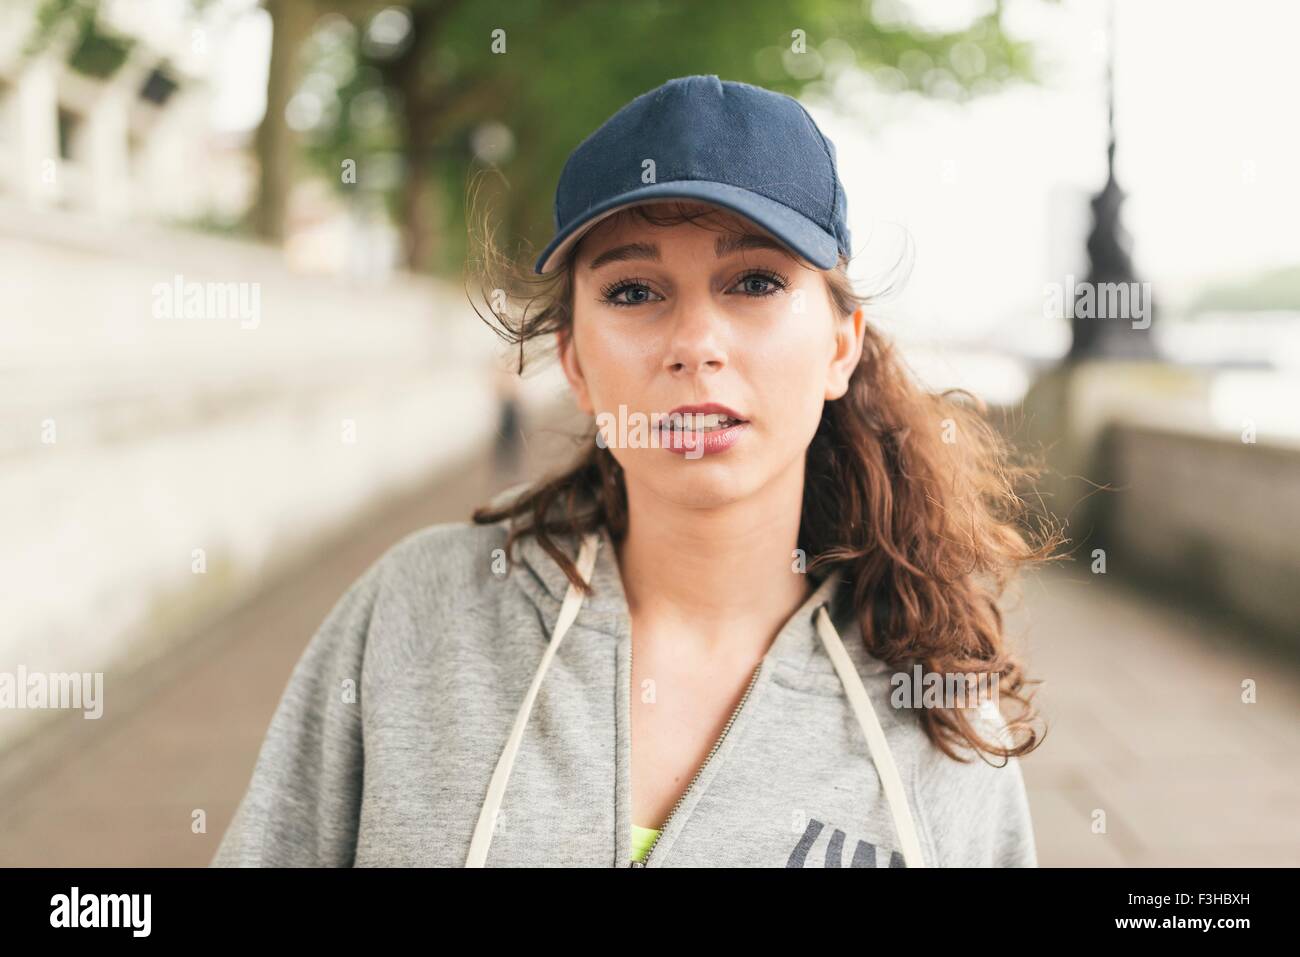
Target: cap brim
(794, 229)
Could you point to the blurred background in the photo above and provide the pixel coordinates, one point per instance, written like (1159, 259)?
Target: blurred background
(234, 325)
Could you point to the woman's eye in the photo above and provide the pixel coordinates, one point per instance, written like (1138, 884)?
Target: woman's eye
(627, 294)
(760, 284)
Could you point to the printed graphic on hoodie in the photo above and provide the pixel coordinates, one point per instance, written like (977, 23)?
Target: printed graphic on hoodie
(864, 853)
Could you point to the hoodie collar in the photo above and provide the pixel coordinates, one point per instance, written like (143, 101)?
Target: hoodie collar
(606, 608)
(607, 599)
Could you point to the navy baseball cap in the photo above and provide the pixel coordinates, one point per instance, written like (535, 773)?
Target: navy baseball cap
(750, 150)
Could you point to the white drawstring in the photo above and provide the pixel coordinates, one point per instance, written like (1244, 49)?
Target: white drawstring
(878, 746)
(881, 755)
(482, 840)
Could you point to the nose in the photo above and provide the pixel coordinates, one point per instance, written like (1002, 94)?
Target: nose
(696, 341)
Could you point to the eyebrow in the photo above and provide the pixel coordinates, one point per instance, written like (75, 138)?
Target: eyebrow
(725, 246)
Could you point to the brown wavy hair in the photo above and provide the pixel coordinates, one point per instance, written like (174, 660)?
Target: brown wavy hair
(915, 497)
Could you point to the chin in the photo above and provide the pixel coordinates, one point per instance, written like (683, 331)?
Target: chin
(701, 483)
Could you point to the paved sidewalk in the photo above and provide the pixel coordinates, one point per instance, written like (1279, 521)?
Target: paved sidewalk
(1147, 725)
(1144, 702)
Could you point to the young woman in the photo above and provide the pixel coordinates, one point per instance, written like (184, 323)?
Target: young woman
(697, 646)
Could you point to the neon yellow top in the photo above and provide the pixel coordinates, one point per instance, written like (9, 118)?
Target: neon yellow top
(642, 838)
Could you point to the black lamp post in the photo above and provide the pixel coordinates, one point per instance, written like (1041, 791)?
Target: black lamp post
(1111, 314)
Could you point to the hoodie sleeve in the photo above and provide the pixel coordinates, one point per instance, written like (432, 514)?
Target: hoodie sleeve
(302, 805)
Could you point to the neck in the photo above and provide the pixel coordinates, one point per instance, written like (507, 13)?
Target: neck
(715, 574)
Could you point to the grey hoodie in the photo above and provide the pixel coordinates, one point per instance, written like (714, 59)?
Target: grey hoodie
(396, 717)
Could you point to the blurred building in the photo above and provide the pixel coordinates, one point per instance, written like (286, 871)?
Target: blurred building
(119, 170)
(107, 120)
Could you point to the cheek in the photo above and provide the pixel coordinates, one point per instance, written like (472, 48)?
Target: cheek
(612, 362)
(789, 372)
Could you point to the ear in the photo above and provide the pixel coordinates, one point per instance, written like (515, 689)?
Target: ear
(848, 353)
(573, 370)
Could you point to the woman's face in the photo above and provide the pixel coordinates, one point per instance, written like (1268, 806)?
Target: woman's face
(671, 318)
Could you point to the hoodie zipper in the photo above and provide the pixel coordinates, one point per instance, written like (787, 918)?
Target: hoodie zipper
(712, 751)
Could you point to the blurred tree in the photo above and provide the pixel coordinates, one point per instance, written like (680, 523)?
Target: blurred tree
(404, 102)
(93, 50)
(277, 148)
(419, 96)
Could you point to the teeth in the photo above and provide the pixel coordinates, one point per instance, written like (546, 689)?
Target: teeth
(697, 422)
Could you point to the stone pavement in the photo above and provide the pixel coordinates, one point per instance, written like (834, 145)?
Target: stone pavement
(1144, 704)
(1147, 724)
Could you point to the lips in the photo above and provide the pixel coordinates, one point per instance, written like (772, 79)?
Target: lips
(701, 429)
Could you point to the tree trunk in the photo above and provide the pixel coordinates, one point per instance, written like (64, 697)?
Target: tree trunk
(291, 21)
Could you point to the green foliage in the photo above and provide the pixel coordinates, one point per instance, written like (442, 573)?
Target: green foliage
(95, 52)
(1278, 289)
(569, 64)
(98, 54)
(441, 105)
